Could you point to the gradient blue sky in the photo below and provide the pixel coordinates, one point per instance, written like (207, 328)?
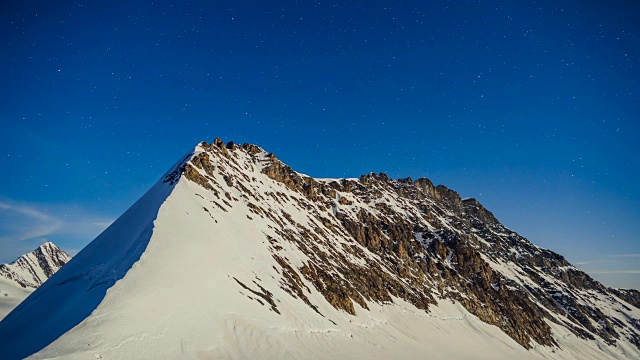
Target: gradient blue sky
(531, 107)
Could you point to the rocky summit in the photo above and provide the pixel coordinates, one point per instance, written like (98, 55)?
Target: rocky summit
(19, 278)
(233, 254)
(32, 269)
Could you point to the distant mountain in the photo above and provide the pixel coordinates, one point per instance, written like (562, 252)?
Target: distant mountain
(233, 254)
(21, 277)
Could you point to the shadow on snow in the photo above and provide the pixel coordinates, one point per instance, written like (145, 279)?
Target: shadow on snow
(73, 293)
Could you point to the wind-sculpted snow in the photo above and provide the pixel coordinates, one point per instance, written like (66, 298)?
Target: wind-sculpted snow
(247, 258)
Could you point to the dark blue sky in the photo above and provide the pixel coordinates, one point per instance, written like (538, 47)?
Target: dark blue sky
(533, 108)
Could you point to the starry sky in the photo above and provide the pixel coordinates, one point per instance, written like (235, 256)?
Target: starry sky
(532, 107)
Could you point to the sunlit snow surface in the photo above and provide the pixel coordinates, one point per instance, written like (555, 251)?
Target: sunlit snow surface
(159, 283)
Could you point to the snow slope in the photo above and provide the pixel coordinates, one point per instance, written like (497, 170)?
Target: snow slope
(208, 264)
(11, 294)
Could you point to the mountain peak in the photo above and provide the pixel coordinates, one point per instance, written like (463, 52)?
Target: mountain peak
(32, 269)
(235, 254)
(19, 278)
(49, 246)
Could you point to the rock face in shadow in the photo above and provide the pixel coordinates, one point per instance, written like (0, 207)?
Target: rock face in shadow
(631, 296)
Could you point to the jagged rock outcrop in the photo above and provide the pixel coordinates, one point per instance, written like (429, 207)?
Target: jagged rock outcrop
(426, 242)
(631, 296)
(32, 269)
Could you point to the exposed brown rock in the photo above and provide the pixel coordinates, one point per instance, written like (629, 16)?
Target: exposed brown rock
(251, 149)
(228, 179)
(437, 244)
(192, 174)
(333, 289)
(218, 146)
(282, 173)
(292, 283)
(263, 293)
(202, 161)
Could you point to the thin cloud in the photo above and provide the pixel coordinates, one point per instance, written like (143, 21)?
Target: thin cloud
(23, 225)
(24, 222)
(615, 272)
(624, 255)
(25, 210)
(597, 261)
(103, 224)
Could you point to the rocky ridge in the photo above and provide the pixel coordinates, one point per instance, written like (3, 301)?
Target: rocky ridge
(376, 239)
(631, 296)
(32, 269)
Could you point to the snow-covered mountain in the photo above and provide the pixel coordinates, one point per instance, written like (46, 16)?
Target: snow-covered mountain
(232, 254)
(27, 273)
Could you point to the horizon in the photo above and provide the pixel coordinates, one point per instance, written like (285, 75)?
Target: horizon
(532, 109)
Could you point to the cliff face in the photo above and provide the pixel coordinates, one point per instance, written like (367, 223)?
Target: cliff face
(426, 243)
(629, 295)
